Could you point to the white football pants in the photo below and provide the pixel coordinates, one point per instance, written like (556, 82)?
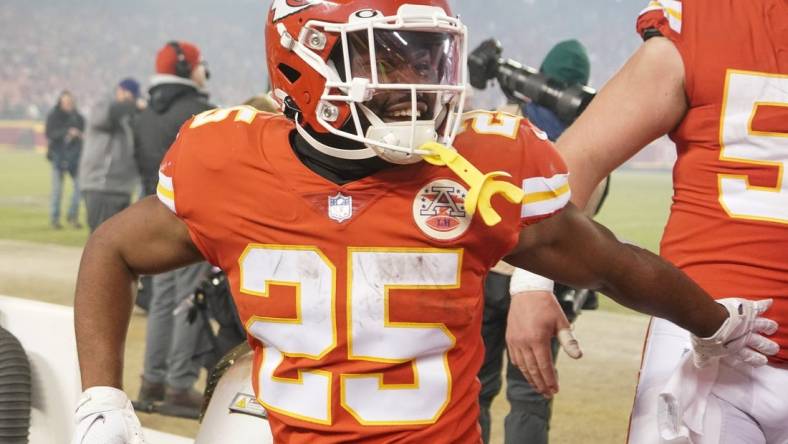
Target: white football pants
(746, 405)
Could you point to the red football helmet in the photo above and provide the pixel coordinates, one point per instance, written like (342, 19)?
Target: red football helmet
(387, 73)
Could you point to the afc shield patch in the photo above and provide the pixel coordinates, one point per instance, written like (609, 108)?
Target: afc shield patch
(340, 207)
(439, 210)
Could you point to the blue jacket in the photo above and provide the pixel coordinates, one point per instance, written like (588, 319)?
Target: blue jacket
(545, 120)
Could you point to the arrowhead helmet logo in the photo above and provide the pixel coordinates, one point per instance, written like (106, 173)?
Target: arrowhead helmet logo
(284, 8)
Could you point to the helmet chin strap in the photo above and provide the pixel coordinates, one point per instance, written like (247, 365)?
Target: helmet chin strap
(364, 153)
(414, 133)
(384, 132)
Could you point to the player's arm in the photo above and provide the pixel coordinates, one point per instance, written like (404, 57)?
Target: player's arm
(569, 247)
(146, 238)
(643, 101)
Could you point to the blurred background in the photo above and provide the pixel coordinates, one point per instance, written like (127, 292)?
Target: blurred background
(49, 45)
(87, 46)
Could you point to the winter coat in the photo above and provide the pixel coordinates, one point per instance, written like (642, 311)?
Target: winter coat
(173, 101)
(545, 120)
(63, 150)
(108, 158)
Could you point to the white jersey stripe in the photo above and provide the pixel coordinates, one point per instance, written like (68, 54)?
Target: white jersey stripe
(671, 9)
(166, 192)
(545, 207)
(545, 195)
(166, 182)
(541, 184)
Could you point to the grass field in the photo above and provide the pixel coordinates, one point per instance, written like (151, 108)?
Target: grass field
(637, 210)
(25, 184)
(637, 207)
(596, 392)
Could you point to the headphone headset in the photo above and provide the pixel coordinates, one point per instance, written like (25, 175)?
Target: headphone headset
(182, 67)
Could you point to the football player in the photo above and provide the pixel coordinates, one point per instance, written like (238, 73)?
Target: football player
(355, 250)
(714, 76)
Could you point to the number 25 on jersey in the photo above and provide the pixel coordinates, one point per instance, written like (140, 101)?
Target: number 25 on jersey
(372, 335)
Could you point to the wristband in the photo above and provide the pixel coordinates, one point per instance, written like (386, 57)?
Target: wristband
(523, 280)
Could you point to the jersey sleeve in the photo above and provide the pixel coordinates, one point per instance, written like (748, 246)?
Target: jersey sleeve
(165, 189)
(668, 18)
(498, 141)
(660, 17)
(177, 185)
(544, 175)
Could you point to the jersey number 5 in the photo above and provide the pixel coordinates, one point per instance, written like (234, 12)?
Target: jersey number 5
(372, 336)
(745, 94)
(243, 113)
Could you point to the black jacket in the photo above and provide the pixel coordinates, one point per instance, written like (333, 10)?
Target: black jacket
(171, 104)
(64, 151)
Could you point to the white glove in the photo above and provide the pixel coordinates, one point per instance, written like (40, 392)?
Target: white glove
(105, 416)
(740, 336)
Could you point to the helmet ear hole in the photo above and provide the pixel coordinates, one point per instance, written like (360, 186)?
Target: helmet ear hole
(290, 73)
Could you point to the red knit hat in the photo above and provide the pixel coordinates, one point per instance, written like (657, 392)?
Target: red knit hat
(167, 58)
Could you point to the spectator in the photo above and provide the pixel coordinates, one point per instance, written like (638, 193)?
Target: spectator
(107, 170)
(38, 55)
(176, 94)
(64, 129)
(172, 345)
(529, 417)
(567, 62)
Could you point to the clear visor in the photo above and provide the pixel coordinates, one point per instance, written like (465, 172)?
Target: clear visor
(396, 61)
(405, 57)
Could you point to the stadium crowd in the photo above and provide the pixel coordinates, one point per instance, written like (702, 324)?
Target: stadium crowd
(77, 46)
(103, 42)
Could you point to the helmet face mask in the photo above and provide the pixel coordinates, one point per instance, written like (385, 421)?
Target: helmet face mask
(403, 58)
(391, 82)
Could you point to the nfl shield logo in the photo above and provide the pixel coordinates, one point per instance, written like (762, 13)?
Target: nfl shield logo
(340, 207)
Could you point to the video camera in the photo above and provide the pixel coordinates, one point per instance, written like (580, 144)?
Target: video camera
(525, 84)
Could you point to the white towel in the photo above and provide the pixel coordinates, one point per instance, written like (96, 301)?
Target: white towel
(683, 401)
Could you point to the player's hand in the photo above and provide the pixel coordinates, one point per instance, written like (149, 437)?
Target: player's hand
(741, 335)
(535, 317)
(105, 416)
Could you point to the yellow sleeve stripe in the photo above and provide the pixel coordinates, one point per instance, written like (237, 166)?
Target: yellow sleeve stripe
(671, 9)
(545, 195)
(166, 192)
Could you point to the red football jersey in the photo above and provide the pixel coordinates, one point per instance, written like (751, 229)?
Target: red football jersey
(362, 302)
(728, 226)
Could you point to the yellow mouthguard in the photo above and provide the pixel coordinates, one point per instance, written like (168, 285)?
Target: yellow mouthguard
(482, 186)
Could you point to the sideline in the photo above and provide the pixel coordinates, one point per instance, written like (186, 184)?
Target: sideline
(44, 272)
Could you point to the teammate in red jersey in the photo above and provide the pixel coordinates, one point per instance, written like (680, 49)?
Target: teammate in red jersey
(356, 266)
(714, 76)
